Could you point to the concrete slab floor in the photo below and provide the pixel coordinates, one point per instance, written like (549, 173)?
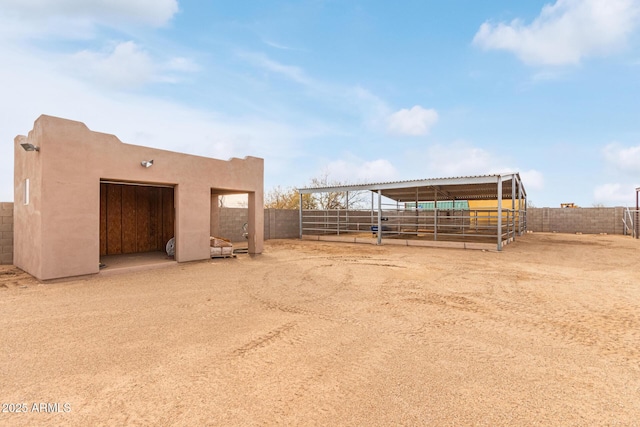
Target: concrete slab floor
(132, 262)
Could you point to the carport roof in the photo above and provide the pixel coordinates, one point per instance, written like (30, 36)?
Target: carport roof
(480, 187)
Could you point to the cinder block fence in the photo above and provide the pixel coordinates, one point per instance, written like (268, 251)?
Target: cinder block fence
(576, 220)
(278, 223)
(284, 224)
(6, 233)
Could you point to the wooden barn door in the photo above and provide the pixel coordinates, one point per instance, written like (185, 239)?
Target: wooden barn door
(135, 218)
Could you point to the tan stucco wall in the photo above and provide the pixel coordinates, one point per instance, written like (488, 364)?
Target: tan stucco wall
(57, 233)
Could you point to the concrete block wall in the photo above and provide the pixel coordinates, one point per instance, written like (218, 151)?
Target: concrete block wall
(281, 224)
(285, 224)
(6, 233)
(576, 220)
(231, 221)
(278, 223)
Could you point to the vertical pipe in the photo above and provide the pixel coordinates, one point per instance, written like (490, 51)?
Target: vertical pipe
(435, 213)
(519, 207)
(417, 211)
(637, 224)
(346, 214)
(398, 218)
(524, 219)
(325, 222)
(372, 208)
(513, 206)
(499, 226)
(300, 213)
(379, 217)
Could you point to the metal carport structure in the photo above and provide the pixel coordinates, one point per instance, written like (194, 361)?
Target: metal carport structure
(425, 210)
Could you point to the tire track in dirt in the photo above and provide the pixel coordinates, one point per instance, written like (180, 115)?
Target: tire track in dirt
(265, 339)
(293, 309)
(337, 370)
(616, 333)
(317, 290)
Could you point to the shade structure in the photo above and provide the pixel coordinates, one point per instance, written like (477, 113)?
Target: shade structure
(495, 187)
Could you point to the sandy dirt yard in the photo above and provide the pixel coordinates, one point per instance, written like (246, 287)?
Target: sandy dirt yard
(545, 333)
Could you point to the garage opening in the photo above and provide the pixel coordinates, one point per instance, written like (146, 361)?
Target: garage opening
(230, 219)
(135, 219)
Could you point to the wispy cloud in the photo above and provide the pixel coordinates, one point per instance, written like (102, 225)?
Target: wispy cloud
(147, 12)
(262, 61)
(566, 32)
(275, 45)
(180, 63)
(372, 109)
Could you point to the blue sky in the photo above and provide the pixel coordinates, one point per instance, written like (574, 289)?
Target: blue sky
(365, 91)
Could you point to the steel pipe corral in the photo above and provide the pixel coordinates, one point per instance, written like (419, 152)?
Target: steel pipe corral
(502, 222)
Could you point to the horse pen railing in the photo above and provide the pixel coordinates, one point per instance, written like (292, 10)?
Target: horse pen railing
(631, 222)
(437, 225)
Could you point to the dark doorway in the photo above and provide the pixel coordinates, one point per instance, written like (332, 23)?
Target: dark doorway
(135, 218)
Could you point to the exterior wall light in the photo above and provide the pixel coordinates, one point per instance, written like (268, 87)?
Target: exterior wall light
(29, 147)
(147, 163)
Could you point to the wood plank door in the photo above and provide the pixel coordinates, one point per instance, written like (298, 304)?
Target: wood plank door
(135, 218)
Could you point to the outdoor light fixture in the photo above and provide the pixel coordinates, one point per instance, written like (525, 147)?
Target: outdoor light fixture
(29, 147)
(147, 163)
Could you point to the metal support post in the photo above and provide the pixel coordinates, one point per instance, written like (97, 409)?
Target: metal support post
(300, 214)
(435, 213)
(499, 227)
(379, 217)
(637, 223)
(513, 206)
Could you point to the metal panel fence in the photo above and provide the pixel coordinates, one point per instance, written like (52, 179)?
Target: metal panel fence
(631, 222)
(478, 225)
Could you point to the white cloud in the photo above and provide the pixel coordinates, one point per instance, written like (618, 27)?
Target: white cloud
(565, 32)
(532, 179)
(416, 121)
(614, 194)
(458, 159)
(136, 119)
(463, 159)
(126, 65)
(625, 159)
(352, 171)
(149, 12)
(624, 164)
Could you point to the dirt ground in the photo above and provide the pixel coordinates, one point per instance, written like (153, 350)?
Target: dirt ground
(546, 332)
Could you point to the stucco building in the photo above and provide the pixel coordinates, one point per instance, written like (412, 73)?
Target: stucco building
(81, 194)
